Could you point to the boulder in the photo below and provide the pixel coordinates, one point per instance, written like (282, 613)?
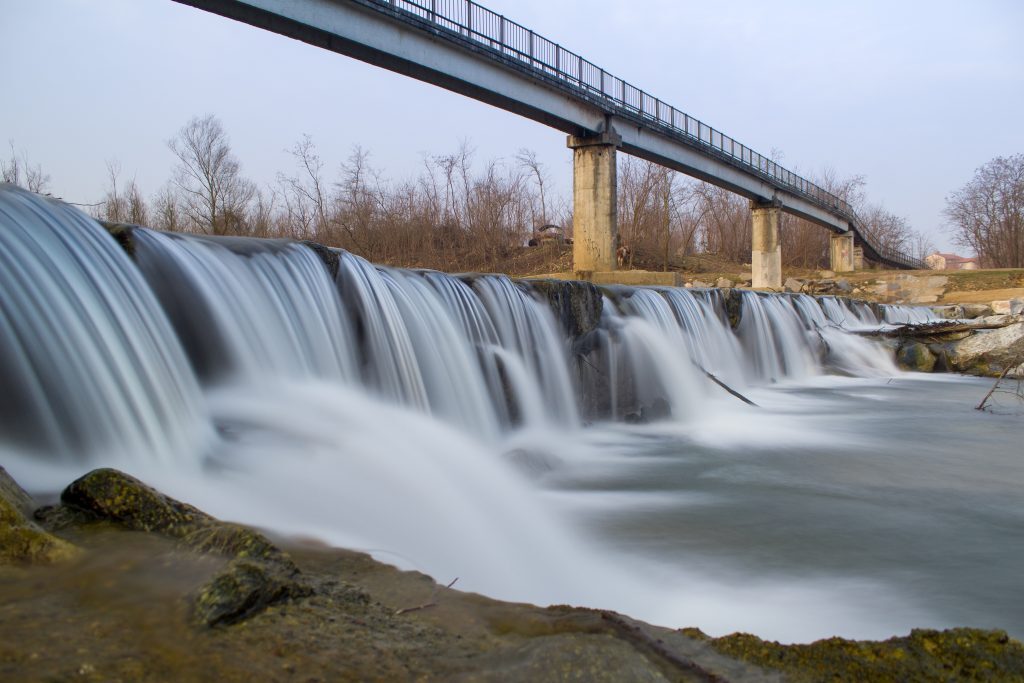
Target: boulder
(843, 285)
(793, 285)
(257, 575)
(701, 284)
(989, 352)
(948, 312)
(827, 274)
(724, 283)
(971, 311)
(21, 540)
(915, 356)
(1008, 307)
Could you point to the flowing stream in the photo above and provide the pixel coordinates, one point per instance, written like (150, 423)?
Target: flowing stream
(449, 424)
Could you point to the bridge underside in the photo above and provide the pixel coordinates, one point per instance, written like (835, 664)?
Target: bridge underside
(399, 41)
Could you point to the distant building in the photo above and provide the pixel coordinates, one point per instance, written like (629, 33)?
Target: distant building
(940, 261)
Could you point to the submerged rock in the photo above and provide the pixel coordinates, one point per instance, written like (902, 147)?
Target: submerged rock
(259, 574)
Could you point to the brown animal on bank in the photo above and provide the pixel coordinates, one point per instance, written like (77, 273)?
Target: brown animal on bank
(622, 255)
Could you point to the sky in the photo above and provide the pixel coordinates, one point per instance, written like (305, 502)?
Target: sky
(912, 95)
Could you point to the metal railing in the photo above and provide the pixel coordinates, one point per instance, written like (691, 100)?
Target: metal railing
(510, 41)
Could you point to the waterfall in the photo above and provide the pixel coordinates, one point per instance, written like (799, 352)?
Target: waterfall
(90, 366)
(398, 411)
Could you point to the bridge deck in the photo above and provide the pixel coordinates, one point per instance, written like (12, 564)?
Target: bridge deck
(467, 48)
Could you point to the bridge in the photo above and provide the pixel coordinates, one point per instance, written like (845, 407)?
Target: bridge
(468, 49)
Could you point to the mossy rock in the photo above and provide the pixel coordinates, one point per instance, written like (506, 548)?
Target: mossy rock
(961, 654)
(111, 495)
(243, 589)
(916, 356)
(21, 540)
(259, 573)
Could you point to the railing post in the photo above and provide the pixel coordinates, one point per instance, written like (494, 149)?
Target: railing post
(469, 19)
(531, 48)
(433, 11)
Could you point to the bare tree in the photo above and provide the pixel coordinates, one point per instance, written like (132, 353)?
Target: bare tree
(18, 171)
(167, 213)
(122, 203)
(528, 159)
(214, 195)
(304, 194)
(987, 214)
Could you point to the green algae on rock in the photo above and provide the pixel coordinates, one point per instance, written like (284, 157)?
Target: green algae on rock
(21, 540)
(259, 574)
(962, 654)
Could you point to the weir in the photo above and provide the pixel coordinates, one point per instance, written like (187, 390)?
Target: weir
(438, 421)
(482, 352)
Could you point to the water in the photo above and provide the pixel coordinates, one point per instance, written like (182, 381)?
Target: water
(447, 425)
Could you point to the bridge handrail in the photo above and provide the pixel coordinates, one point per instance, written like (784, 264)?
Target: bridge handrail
(489, 29)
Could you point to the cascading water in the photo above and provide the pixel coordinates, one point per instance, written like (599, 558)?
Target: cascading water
(394, 411)
(89, 363)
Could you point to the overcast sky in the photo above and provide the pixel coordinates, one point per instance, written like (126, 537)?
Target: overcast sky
(912, 95)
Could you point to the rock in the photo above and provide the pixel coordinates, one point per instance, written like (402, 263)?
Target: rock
(701, 284)
(577, 305)
(959, 654)
(1008, 307)
(989, 352)
(948, 312)
(243, 589)
(827, 274)
(793, 285)
(112, 495)
(21, 540)
(259, 574)
(724, 283)
(915, 356)
(747, 276)
(971, 311)
(329, 257)
(843, 285)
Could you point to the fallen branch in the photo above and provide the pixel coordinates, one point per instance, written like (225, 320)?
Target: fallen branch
(927, 329)
(981, 406)
(432, 603)
(723, 384)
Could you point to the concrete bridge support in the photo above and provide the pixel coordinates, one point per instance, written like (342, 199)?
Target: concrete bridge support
(841, 256)
(594, 203)
(766, 250)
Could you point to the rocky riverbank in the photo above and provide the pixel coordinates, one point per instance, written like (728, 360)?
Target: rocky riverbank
(120, 583)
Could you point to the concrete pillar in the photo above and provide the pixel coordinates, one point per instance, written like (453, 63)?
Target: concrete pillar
(841, 253)
(858, 258)
(766, 250)
(594, 202)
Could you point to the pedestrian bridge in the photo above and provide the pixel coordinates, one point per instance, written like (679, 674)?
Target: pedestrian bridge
(467, 48)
